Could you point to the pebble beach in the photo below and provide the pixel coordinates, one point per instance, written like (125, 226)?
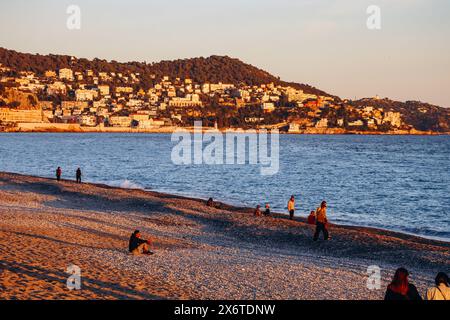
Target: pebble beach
(200, 252)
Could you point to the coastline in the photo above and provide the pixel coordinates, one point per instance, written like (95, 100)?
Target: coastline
(50, 224)
(76, 128)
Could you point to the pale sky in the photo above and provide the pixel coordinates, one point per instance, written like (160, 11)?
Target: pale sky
(324, 43)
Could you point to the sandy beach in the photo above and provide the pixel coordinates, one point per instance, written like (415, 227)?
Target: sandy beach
(201, 252)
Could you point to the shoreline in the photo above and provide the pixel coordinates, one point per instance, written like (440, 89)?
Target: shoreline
(201, 252)
(75, 128)
(243, 208)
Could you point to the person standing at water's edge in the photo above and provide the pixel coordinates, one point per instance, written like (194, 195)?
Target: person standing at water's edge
(58, 173)
(267, 211)
(291, 207)
(78, 175)
(321, 222)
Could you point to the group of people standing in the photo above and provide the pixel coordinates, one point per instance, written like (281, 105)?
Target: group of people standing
(77, 174)
(317, 217)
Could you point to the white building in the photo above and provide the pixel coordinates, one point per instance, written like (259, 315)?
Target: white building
(66, 74)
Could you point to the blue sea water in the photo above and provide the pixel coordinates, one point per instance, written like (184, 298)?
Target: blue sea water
(397, 183)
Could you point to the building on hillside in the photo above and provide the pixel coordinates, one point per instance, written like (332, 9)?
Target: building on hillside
(85, 95)
(294, 127)
(56, 87)
(20, 115)
(268, 107)
(87, 120)
(66, 74)
(74, 104)
(124, 90)
(356, 123)
(322, 123)
(394, 118)
(184, 102)
(120, 121)
(104, 90)
(50, 74)
(139, 117)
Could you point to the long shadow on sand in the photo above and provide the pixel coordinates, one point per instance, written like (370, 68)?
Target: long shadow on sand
(292, 235)
(99, 288)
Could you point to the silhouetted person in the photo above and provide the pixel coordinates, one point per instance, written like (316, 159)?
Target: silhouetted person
(291, 207)
(257, 212)
(267, 211)
(78, 175)
(58, 173)
(400, 288)
(210, 202)
(321, 222)
(312, 217)
(137, 245)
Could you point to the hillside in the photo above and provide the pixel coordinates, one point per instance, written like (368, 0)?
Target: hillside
(368, 114)
(213, 69)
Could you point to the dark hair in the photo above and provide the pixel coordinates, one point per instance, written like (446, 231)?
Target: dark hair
(441, 277)
(135, 232)
(400, 282)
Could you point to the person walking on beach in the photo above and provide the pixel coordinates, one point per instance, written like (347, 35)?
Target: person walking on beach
(267, 211)
(400, 288)
(291, 207)
(321, 222)
(58, 173)
(78, 175)
(137, 245)
(441, 290)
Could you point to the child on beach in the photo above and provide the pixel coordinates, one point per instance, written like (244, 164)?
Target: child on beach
(291, 207)
(321, 222)
(257, 212)
(312, 217)
(137, 245)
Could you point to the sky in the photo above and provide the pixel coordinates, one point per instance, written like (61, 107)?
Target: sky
(324, 43)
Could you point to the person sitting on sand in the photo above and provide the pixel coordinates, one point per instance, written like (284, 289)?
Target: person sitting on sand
(210, 202)
(441, 291)
(257, 212)
(267, 211)
(291, 207)
(58, 173)
(400, 288)
(312, 217)
(137, 245)
(78, 175)
(321, 222)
